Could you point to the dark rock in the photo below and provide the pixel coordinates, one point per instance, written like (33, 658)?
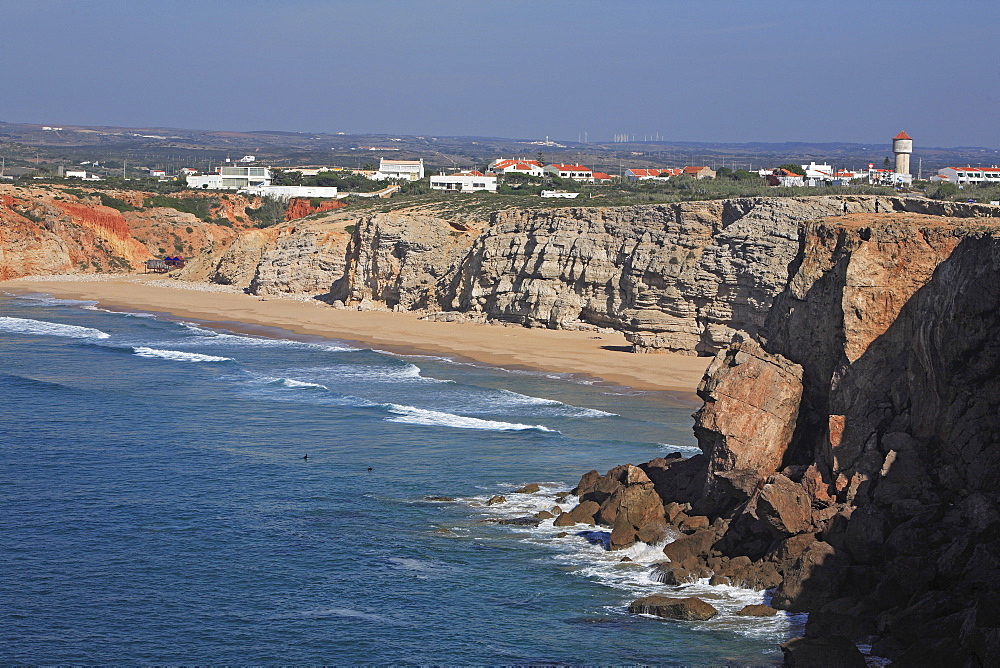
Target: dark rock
(756, 611)
(827, 652)
(632, 508)
(785, 507)
(562, 495)
(671, 574)
(494, 500)
(694, 523)
(813, 580)
(445, 499)
(528, 489)
(697, 544)
(519, 521)
(544, 515)
(582, 514)
(652, 533)
(687, 609)
(561, 534)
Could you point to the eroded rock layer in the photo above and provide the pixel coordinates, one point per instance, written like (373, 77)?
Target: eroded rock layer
(679, 277)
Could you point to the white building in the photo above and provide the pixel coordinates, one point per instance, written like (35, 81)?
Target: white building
(232, 178)
(814, 171)
(559, 193)
(406, 170)
(963, 175)
(287, 192)
(575, 172)
(157, 172)
(464, 182)
(518, 166)
(75, 174)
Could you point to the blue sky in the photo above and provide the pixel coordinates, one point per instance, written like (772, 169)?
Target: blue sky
(690, 71)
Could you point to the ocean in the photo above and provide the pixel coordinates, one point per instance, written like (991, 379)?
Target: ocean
(158, 505)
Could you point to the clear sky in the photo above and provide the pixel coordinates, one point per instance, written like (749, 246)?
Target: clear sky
(693, 70)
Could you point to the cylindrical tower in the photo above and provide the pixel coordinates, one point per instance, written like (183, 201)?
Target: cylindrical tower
(902, 146)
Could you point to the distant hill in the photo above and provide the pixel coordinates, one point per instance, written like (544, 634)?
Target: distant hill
(172, 148)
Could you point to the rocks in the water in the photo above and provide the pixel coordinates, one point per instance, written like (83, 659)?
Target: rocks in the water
(544, 515)
(671, 574)
(686, 609)
(825, 652)
(784, 506)
(582, 514)
(519, 521)
(442, 499)
(528, 489)
(494, 500)
(759, 610)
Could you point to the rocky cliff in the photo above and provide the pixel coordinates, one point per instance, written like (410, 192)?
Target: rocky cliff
(852, 446)
(681, 277)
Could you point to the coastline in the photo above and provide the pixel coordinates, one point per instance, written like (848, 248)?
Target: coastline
(599, 356)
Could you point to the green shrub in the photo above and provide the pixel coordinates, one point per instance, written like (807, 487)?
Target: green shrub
(115, 203)
(200, 207)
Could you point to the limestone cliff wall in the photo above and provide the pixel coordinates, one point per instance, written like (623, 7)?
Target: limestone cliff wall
(682, 277)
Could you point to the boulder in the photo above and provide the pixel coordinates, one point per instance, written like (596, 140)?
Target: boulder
(528, 489)
(695, 545)
(494, 500)
(544, 515)
(784, 506)
(687, 609)
(827, 652)
(633, 508)
(582, 514)
(759, 610)
(671, 574)
(751, 405)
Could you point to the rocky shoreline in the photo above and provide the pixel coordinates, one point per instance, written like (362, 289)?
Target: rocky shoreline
(850, 453)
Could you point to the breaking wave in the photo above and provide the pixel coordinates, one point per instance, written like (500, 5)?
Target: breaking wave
(45, 328)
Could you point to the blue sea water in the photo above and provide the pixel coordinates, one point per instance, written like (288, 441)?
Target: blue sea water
(156, 506)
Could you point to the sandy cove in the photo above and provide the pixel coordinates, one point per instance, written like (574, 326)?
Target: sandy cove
(601, 356)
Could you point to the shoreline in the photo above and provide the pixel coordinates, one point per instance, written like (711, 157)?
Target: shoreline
(599, 356)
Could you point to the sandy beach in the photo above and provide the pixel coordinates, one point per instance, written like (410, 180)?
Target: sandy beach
(600, 356)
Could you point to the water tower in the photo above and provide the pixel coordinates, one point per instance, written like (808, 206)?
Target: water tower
(902, 146)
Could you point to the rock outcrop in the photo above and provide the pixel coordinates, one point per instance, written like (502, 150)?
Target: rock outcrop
(680, 277)
(852, 445)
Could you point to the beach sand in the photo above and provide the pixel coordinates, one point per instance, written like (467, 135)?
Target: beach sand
(601, 356)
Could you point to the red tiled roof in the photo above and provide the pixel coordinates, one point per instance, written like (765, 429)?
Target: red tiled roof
(601, 175)
(694, 170)
(571, 168)
(903, 135)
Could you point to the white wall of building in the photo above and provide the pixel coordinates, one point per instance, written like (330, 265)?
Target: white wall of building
(408, 170)
(464, 183)
(286, 192)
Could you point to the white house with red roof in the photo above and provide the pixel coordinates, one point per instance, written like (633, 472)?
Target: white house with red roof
(963, 175)
(516, 166)
(575, 172)
(600, 178)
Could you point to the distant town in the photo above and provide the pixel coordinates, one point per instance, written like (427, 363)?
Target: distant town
(419, 167)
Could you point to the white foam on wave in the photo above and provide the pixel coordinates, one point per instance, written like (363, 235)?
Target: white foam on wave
(506, 399)
(49, 300)
(293, 384)
(686, 450)
(45, 328)
(177, 355)
(583, 552)
(212, 337)
(429, 418)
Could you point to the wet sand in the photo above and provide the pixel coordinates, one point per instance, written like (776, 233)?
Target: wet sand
(601, 356)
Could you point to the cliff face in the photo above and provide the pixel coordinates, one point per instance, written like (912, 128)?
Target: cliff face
(852, 447)
(680, 277)
(402, 261)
